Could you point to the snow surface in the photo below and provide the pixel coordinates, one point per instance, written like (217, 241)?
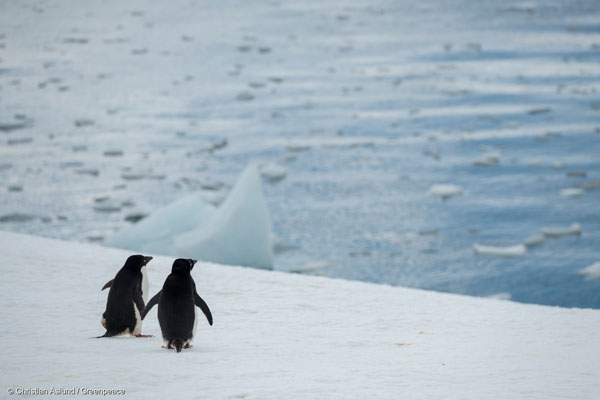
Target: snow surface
(237, 233)
(284, 336)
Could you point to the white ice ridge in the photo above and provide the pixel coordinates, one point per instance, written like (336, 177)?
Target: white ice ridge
(236, 233)
(445, 191)
(592, 271)
(239, 233)
(574, 229)
(285, 336)
(507, 251)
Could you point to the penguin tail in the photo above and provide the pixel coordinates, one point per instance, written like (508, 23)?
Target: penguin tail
(178, 343)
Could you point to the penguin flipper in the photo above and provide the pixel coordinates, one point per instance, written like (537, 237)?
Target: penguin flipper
(203, 306)
(153, 301)
(138, 299)
(108, 284)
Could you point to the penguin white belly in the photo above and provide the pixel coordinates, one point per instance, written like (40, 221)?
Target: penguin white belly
(145, 285)
(138, 321)
(188, 342)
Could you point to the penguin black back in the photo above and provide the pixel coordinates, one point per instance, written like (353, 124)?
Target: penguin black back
(176, 301)
(125, 303)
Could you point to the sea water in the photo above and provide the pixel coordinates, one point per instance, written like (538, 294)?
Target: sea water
(396, 138)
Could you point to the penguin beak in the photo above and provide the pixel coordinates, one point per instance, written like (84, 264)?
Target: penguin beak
(192, 263)
(147, 260)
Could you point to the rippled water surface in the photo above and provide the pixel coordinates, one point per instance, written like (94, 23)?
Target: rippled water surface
(109, 110)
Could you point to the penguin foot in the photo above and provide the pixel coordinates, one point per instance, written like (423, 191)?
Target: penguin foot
(188, 346)
(164, 346)
(140, 335)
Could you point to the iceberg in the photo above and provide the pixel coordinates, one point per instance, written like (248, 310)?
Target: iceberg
(155, 233)
(236, 233)
(239, 233)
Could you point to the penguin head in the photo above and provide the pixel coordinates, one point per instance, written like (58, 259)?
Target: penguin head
(136, 262)
(183, 265)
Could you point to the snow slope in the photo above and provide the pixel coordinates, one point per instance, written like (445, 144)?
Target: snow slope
(279, 335)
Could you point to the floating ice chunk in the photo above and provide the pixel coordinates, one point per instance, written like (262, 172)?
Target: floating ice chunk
(348, 143)
(534, 240)
(272, 172)
(508, 251)
(574, 229)
(239, 233)
(297, 147)
(501, 296)
(487, 159)
(445, 191)
(279, 246)
(107, 208)
(312, 267)
(392, 237)
(521, 7)
(571, 192)
(591, 272)
(559, 165)
(155, 233)
(17, 217)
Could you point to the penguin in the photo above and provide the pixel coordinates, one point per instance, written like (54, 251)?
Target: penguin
(145, 286)
(125, 302)
(177, 315)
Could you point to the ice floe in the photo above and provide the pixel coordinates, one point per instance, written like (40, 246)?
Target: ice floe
(487, 159)
(272, 172)
(312, 267)
(445, 191)
(574, 229)
(534, 240)
(500, 296)
(506, 251)
(592, 271)
(571, 192)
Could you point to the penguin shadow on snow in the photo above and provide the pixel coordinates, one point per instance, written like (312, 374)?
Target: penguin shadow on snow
(177, 302)
(126, 299)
